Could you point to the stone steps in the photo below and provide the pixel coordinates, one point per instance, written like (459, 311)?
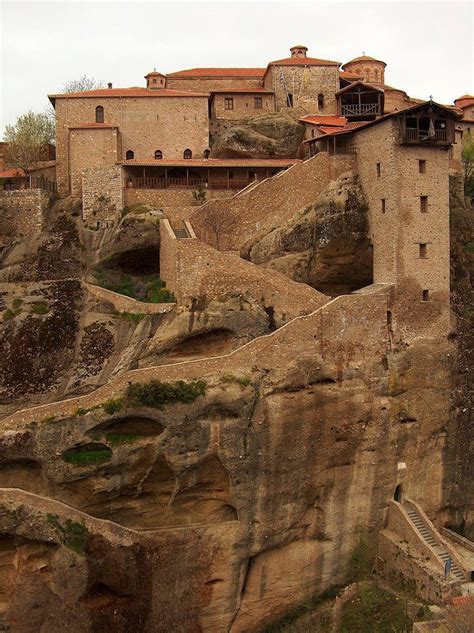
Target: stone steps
(436, 545)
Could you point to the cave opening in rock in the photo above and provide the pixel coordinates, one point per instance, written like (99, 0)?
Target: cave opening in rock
(397, 495)
(22, 473)
(202, 344)
(139, 261)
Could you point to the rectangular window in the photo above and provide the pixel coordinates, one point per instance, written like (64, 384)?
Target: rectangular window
(384, 206)
(422, 166)
(423, 248)
(426, 295)
(379, 170)
(228, 103)
(258, 103)
(424, 204)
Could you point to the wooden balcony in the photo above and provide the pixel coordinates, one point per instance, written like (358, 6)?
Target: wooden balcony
(184, 183)
(414, 135)
(361, 109)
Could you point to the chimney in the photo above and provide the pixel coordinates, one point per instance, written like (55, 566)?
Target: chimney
(109, 85)
(298, 51)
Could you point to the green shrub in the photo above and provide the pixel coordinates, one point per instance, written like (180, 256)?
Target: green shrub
(158, 394)
(376, 611)
(79, 412)
(115, 439)
(72, 534)
(9, 314)
(135, 317)
(87, 457)
(112, 406)
(362, 561)
(40, 307)
(148, 288)
(17, 302)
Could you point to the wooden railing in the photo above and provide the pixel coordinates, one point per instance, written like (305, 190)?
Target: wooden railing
(363, 108)
(184, 183)
(414, 134)
(33, 183)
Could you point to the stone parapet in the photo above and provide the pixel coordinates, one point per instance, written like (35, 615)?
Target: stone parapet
(102, 195)
(22, 212)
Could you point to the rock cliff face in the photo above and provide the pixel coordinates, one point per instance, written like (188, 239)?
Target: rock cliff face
(325, 245)
(218, 503)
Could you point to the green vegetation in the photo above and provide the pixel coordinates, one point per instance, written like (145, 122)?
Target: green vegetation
(362, 561)
(289, 622)
(80, 457)
(115, 439)
(10, 314)
(200, 194)
(468, 164)
(40, 307)
(147, 288)
(244, 381)
(136, 209)
(48, 419)
(80, 411)
(376, 611)
(112, 406)
(17, 302)
(135, 317)
(158, 394)
(73, 535)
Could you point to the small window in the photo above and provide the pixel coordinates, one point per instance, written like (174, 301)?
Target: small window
(99, 114)
(312, 133)
(187, 153)
(153, 81)
(228, 103)
(158, 154)
(424, 204)
(206, 153)
(384, 206)
(290, 100)
(321, 101)
(258, 103)
(423, 249)
(129, 155)
(379, 170)
(422, 166)
(426, 295)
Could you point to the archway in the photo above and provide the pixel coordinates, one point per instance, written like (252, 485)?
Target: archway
(398, 493)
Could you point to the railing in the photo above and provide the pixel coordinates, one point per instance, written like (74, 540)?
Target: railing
(414, 134)
(363, 108)
(184, 183)
(33, 183)
(341, 151)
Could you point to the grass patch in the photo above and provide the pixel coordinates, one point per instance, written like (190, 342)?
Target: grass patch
(158, 394)
(134, 317)
(112, 406)
(17, 302)
(376, 611)
(91, 457)
(72, 534)
(116, 439)
(40, 307)
(48, 419)
(244, 381)
(10, 314)
(146, 288)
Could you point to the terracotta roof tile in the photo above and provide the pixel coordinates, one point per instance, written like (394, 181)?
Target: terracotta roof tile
(346, 75)
(243, 91)
(215, 162)
(364, 58)
(12, 173)
(303, 61)
(127, 92)
(324, 119)
(216, 73)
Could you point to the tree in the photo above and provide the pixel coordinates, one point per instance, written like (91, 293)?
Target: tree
(219, 224)
(82, 84)
(468, 164)
(27, 139)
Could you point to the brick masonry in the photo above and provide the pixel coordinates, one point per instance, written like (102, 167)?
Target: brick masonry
(22, 212)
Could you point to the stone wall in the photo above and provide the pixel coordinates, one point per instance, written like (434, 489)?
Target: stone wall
(145, 124)
(161, 198)
(269, 204)
(398, 226)
(244, 105)
(22, 212)
(195, 270)
(305, 84)
(102, 195)
(88, 150)
(122, 303)
(206, 84)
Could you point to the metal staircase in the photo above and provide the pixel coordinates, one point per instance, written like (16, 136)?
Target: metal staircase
(432, 540)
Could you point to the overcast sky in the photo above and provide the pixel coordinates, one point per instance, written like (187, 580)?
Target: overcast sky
(427, 45)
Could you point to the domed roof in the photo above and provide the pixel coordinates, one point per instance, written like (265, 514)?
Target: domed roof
(363, 58)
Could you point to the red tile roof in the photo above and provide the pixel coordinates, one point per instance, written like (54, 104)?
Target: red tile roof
(324, 119)
(218, 73)
(303, 61)
(127, 92)
(458, 600)
(359, 83)
(215, 162)
(12, 173)
(364, 58)
(464, 101)
(346, 75)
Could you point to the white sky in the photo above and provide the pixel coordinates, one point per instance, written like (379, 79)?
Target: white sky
(427, 45)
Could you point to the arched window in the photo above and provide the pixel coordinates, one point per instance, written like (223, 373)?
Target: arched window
(206, 153)
(99, 114)
(158, 154)
(187, 153)
(154, 81)
(320, 101)
(129, 155)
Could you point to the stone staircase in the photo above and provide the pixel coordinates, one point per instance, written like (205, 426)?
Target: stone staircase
(182, 233)
(434, 542)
